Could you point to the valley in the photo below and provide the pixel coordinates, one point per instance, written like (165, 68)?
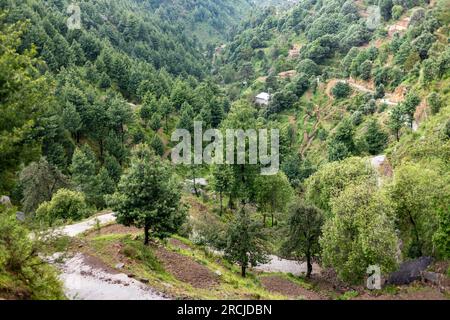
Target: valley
(95, 203)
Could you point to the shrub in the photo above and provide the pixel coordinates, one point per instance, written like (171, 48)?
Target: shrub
(65, 205)
(361, 233)
(23, 275)
(397, 12)
(341, 90)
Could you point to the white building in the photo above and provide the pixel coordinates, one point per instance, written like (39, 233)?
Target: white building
(262, 99)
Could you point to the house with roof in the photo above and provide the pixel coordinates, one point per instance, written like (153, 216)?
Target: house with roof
(262, 99)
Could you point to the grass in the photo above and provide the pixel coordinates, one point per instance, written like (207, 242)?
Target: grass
(348, 295)
(144, 264)
(138, 251)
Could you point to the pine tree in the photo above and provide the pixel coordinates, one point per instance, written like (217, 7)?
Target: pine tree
(157, 145)
(187, 117)
(376, 139)
(396, 120)
(84, 173)
(149, 196)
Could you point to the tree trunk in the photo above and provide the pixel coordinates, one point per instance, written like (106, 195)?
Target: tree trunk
(309, 265)
(221, 203)
(231, 203)
(195, 187)
(101, 150)
(243, 271)
(264, 220)
(146, 235)
(416, 233)
(272, 220)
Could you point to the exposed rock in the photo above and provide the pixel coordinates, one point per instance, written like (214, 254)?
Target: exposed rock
(410, 271)
(6, 201)
(143, 280)
(432, 277)
(120, 265)
(20, 216)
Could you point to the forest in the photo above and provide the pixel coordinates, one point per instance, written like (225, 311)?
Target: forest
(359, 92)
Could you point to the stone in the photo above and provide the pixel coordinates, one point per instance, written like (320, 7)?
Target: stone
(6, 201)
(143, 280)
(410, 271)
(431, 277)
(120, 265)
(218, 273)
(20, 216)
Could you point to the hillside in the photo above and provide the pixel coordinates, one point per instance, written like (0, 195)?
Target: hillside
(358, 91)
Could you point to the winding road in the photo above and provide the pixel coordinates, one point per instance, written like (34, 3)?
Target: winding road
(84, 280)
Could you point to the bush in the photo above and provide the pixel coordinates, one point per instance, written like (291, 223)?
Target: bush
(341, 90)
(66, 205)
(397, 12)
(136, 250)
(361, 233)
(435, 102)
(23, 275)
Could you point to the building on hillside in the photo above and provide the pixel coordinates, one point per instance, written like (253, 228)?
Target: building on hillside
(262, 99)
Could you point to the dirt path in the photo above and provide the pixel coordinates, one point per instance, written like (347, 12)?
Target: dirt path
(391, 99)
(78, 228)
(86, 278)
(277, 264)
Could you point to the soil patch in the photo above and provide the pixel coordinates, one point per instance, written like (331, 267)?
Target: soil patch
(186, 269)
(178, 244)
(288, 288)
(95, 263)
(114, 229)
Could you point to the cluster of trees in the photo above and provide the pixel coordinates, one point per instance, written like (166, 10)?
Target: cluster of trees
(86, 116)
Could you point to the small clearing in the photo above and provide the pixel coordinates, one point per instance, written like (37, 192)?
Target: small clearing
(277, 264)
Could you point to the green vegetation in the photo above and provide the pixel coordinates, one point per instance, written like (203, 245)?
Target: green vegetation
(306, 224)
(245, 243)
(148, 196)
(66, 205)
(22, 272)
(362, 112)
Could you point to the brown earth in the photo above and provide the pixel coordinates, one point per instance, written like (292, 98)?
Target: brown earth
(287, 74)
(96, 263)
(186, 269)
(288, 288)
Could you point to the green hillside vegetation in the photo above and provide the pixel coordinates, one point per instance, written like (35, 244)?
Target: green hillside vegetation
(363, 114)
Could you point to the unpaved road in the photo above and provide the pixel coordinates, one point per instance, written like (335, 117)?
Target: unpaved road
(86, 282)
(83, 280)
(78, 228)
(277, 264)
